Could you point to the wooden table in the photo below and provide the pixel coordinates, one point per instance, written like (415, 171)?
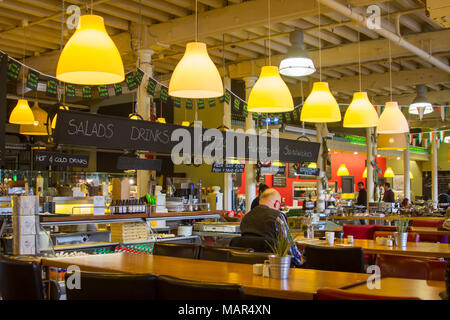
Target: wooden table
(424, 249)
(302, 283)
(399, 287)
(430, 231)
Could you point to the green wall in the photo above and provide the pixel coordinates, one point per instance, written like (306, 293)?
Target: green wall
(415, 168)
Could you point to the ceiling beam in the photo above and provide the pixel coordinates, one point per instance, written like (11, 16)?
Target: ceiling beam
(238, 17)
(435, 97)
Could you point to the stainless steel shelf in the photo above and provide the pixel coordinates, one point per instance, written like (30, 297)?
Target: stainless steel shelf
(193, 217)
(62, 223)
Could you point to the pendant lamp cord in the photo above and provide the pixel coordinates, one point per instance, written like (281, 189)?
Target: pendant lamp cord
(23, 69)
(138, 50)
(61, 46)
(270, 50)
(320, 46)
(196, 20)
(223, 73)
(92, 6)
(390, 58)
(359, 61)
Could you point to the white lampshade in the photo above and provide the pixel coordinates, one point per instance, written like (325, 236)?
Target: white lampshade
(392, 120)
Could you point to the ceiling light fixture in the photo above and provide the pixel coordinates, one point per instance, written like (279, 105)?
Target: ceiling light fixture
(420, 101)
(297, 62)
(39, 127)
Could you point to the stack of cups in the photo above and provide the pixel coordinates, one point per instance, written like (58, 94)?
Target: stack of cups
(330, 238)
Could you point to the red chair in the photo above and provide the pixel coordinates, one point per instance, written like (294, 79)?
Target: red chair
(430, 224)
(436, 270)
(412, 236)
(338, 294)
(360, 231)
(402, 267)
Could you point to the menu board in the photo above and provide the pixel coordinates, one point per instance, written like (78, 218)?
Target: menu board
(308, 171)
(70, 90)
(117, 89)
(52, 88)
(45, 158)
(103, 91)
(32, 79)
(279, 180)
(228, 168)
(151, 86)
(13, 70)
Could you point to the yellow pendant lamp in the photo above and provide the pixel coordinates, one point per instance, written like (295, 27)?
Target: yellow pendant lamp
(196, 76)
(365, 173)
(270, 94)
(90, 57)
(392, 141)
(360, 113)
(161, 120)
(39, 127)
(22, 113)
(185, 123)
(392, 119)
(411, 175)
(320, 106)
(342, 171)
(389, 173)
(312, 165)
(56, 115)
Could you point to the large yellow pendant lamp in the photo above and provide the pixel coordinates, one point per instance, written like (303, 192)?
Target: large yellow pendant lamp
(39, 127)
(389, 173)
(360, 113)
(320, 106)
(90, 56)
(21, 114)
(270, 93)
(342, 171)
(56, 115)
(392, 120)
(392, 141)
(196, 76)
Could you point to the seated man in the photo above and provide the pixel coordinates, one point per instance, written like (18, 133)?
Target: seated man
(265, 219)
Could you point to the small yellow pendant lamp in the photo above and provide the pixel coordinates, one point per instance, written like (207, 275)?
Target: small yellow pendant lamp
(22, 113)
(90, 56)
(342, 171)
(312, 165)
(365, 173)
(39, 127)
(320, 106)
(185, 123)
(389, 173)
(56, 115)
(196, 76)
(392, 120)
(360, 113)
(161, 120)
(270, 94)
(392, 141)
(411, 175)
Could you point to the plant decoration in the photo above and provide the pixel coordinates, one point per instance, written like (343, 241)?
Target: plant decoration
(282, 242)
(402, 224)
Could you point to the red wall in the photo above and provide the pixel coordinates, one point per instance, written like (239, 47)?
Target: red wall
(355, 164)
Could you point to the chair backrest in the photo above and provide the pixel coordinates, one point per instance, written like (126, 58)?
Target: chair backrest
(248, 257)
(412, 236)
(447, 278)
(171, 288)
(430, 224)
(339, 294)
(333, 259)
(104, 286)
(258, 244)
(20, 280)
(179, 250)
(436, 270)
(359, 231)
(402, 267)
(214, 253)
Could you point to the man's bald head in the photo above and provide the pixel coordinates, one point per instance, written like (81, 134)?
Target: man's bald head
(270, 198)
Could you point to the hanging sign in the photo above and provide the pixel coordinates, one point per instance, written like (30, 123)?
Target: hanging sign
(32, 79)
(13, 70)
(103, 91)
(52, 88)
(81, 128)
(228, 168)
(305, 171)
(130, 163)
(117, 89)
(44, 158)
(70, 90)
(267, 169)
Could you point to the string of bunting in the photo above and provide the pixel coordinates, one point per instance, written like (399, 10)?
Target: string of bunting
(133, 80)
(425, 138)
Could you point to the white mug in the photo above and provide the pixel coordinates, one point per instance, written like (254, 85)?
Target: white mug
(330, 238)
(258, 269)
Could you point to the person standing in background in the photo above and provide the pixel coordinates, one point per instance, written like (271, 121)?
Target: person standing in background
(389, 195)
(261, 188)
(362, 195)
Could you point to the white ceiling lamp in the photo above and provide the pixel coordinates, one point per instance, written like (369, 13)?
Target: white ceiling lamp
(420, 101)
(297, 62)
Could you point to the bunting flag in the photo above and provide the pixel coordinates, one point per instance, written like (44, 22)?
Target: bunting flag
(420, 110)
(151, 86)
(442, 112)
(103, 91)
(177, 102)
(117, 89)
(426, 143)
(420, 137)
(378, 110)
(138, 77)
(201, 104)
(411, 137)
(164, 94)
(130, 80)
(87, 92)
(441, 135)
(227, 96)
(52, 88)
(212, 102)
(244, 109)
(189, 104)
(70, 90)
(237, 104)
(13, 70)
(32, 80)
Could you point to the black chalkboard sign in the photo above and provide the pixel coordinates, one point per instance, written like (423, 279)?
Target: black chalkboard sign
(151, 86)
(279, 180)
(212, 102)
(44, 158)
(81, 128)
(131, 81)
(70, 90)
(32, 79)
(118, 89)
(201, 104)
(13, 70)
(130, 163)
(87, 92)
(103, 91)
(189, 104)
(268, 169)
(52, 88)
(164, 94)
(305, 171)
(227, 168)
(138, 77)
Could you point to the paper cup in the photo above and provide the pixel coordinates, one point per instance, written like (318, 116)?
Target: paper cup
(258, 269)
